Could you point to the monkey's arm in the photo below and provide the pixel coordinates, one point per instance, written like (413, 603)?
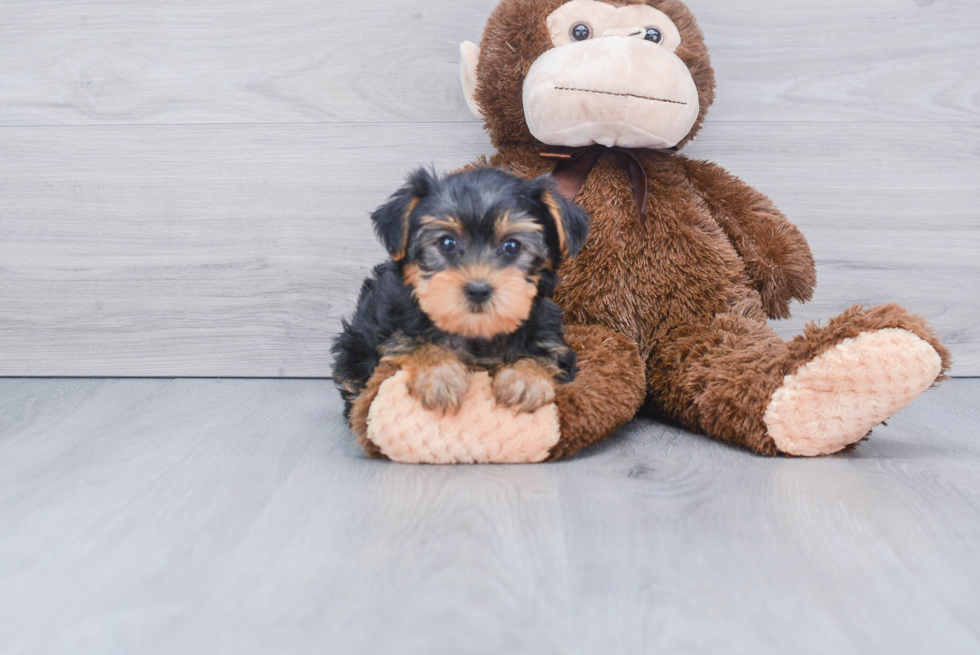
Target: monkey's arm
(777, 257)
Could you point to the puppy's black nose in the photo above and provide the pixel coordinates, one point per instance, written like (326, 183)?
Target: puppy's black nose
(478, 292)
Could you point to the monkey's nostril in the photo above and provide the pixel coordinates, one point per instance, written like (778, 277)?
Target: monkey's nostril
(478, 292)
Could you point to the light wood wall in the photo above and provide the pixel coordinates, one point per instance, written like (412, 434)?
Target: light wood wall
(184, 186)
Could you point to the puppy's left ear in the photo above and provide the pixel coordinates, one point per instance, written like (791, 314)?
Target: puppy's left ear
(392, 220)
(570, 222)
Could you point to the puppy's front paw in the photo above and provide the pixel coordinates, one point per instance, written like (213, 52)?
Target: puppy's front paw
(524, 386)
(441, 387)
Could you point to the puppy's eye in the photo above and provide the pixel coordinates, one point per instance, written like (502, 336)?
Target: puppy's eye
(511, 248)
(447, 245)
(653, 34)
(580, 32)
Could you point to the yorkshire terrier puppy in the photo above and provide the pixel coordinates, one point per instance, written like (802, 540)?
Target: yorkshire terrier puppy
(468, 287)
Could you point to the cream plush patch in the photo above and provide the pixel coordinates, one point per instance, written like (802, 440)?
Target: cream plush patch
(482, 432)
(835, 399)
(610, 85)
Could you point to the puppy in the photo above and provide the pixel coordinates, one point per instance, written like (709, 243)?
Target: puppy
(468, 287)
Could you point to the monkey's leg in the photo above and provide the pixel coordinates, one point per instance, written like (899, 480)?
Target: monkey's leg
(734, 379)
(717, 378)
(361, 407)
(607, 391)
(850, 375)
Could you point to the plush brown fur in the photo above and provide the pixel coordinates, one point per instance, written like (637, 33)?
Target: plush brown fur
(817, 339)
(673, 310)
(606, 393)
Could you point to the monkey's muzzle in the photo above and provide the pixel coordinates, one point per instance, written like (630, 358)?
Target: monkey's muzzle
(613, 91)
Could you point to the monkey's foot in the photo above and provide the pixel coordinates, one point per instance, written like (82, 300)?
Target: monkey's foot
(480, 432)
(836, 398)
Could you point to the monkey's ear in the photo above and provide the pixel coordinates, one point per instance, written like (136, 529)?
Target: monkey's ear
(392, 219)
(571, 223)
(469, 54)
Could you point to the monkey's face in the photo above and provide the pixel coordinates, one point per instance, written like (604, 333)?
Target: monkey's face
(612, 78)
(632, 74)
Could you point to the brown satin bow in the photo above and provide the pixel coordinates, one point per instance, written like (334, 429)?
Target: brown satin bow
(576, 163)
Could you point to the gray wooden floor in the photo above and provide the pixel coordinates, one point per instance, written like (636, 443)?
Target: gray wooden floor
(238, 516)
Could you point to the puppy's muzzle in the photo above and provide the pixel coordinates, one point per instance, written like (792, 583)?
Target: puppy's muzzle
(478, 292)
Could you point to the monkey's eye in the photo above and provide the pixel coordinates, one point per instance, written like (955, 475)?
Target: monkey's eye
(447, 245)
(511, 248)
(653, 34)
(580, 32)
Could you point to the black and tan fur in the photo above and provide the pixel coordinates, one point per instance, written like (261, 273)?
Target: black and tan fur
(468, 287)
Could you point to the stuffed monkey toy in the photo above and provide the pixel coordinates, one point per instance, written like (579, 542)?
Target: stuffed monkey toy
(666, 304)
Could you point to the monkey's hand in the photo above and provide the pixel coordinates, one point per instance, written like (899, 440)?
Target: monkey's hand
(776, 256)
(437, 379)
(524, 386)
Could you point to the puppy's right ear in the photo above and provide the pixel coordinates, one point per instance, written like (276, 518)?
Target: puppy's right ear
(392, 220)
